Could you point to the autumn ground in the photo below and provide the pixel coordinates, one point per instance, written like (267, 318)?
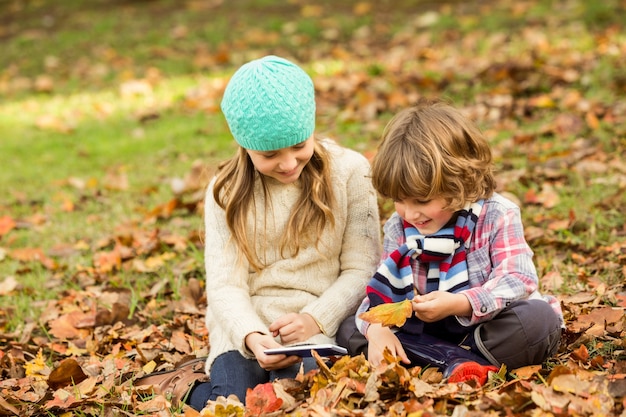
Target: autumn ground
(109, 127)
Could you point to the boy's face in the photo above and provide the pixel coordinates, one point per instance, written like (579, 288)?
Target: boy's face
(426, 216)
(284, 165)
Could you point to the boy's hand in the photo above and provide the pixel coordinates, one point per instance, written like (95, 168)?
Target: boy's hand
(438, 305)
(380, 337)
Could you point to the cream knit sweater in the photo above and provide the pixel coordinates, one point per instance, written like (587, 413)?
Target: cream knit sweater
(329, 284)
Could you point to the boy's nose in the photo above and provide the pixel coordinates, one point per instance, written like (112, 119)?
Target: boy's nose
(412, 214)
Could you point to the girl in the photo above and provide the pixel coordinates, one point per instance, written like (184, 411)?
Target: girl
(456, 249)
(292, 234)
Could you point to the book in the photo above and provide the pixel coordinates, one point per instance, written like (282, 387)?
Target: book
(304, 350)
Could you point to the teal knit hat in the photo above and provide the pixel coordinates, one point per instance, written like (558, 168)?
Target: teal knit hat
(269, 104)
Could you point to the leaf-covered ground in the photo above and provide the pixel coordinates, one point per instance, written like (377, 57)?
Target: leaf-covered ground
(549, 91)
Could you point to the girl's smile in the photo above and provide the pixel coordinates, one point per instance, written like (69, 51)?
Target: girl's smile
(290, 173)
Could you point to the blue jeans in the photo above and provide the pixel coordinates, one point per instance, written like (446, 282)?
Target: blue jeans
(231, 373)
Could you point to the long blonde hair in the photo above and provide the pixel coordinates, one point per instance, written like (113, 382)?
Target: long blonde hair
(234, 192)
(431, 150)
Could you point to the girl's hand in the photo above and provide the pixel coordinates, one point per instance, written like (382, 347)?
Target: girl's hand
(258, 342)
(294, 328)
(379, 338)
(438, 305)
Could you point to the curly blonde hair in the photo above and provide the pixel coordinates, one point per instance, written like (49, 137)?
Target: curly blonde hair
(234, 192)
(431, 150)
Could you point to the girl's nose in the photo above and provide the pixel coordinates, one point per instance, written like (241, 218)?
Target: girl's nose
(288, 163)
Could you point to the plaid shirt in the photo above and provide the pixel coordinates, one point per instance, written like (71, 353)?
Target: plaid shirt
(499, 261)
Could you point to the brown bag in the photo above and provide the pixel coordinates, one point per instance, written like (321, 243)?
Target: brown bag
(176, 383)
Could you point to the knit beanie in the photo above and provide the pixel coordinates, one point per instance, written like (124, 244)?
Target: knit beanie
(269, 104)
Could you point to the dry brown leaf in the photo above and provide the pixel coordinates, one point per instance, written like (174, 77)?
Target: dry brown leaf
(68, 372)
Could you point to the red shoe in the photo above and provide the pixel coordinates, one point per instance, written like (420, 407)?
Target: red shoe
(472, 370)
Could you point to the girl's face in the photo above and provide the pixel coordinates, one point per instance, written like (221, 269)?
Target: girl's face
(284, 165)
(427, 216)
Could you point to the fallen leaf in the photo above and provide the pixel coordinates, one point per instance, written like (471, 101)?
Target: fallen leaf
(6, 225)
(8, 285)
(8, 407)
(68, 372)
(262, 399)
(33, 255)
(389, 314)
(37, 367)
(526, 372)
(581, 354)
(62, 399)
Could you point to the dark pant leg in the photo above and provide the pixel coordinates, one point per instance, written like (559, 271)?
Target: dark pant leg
(348, 336)
(426, 350)
(231, 373)
(527, 332)
(199, 395)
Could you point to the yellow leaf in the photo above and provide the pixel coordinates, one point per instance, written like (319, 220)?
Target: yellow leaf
(149, 367)
(389, 314)
(37, 368)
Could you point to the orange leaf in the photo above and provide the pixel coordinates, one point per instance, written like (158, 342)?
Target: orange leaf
(63, 328)
(27, 254)
(262, 400)
(389, 314)
(33, 255)
(592, 121)
(581, 354)
(526, 372)
(6, 225)
(107, 261)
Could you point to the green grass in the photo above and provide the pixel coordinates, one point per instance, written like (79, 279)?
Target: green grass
(35, 158)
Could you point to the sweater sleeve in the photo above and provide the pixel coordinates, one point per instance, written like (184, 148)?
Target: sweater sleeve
(393, 238)
(227, 289)
(506, 261)
(360, 248)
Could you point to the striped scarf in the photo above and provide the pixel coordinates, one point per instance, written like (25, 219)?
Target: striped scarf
(443, 253)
